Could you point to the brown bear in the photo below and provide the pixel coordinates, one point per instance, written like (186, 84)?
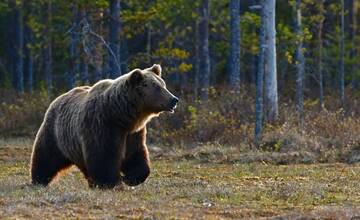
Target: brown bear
(102, 130)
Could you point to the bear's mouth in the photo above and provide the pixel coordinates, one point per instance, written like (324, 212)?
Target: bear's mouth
(171, 109)
(172, 104)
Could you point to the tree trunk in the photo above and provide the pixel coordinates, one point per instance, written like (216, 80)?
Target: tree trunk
(204, 67)
(2, 72)
(71, 76)
(234, 73)
(320, 46)
(271, 93)
(10, 32)
(47, 52)
(29, 61)
(300, 63)
(354, 19)
(353, 52)
(196, 58)
(18, 79)
(259, 107)
(253, 68)
(342, 54)
(114, 39)
(124, 55)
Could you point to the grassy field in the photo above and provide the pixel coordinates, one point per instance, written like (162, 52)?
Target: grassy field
(184, 188)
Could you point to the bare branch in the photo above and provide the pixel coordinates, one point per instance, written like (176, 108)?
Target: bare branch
(84, 32)
(255, 7)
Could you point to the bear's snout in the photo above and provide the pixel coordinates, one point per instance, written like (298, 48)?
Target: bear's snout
(172, 104)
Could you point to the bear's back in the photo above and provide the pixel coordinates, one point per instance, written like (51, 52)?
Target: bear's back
(70, 104)
(71, 98)
(100, 87)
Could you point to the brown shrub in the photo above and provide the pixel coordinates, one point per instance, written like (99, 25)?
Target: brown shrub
(21, 114)
(225, 119)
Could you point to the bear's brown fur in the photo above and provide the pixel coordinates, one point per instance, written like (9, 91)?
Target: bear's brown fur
(102, 130)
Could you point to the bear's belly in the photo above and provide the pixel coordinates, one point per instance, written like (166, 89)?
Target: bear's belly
(71, 150)
(68, 141)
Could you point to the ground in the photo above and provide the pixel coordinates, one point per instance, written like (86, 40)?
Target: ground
(184, 188)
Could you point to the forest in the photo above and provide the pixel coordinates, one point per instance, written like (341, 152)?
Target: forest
(269, 97)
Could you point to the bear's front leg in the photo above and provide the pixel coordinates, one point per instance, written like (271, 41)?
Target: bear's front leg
(103, 174)
(136, 167)
(103, 161)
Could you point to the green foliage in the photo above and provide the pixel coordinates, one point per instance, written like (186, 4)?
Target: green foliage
(250, 22)
(164, 32)
(174, 53)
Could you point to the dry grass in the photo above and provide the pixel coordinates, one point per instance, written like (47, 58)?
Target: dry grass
(184, 188)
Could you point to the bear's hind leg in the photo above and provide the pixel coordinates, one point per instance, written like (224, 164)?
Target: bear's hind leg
(46, 160)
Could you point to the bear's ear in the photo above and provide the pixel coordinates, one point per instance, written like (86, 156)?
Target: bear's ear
(156, 68)
(136, 77)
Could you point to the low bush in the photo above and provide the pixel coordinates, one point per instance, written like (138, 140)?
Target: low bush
(21, 115)
(226, 119)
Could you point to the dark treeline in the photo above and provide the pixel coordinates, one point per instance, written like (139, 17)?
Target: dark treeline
(298, 48)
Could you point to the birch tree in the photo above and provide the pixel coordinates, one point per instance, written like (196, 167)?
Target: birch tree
(267, 68)
(271, 94)
(259, 107)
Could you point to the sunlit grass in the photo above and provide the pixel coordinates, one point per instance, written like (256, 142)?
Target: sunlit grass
(186, 189)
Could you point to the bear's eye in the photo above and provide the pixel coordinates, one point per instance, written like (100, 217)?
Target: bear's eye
(145, 85)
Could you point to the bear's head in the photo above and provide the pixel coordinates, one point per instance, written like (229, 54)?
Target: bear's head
(150, 90)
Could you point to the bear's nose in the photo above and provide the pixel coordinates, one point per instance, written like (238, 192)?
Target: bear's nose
(174, 101)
